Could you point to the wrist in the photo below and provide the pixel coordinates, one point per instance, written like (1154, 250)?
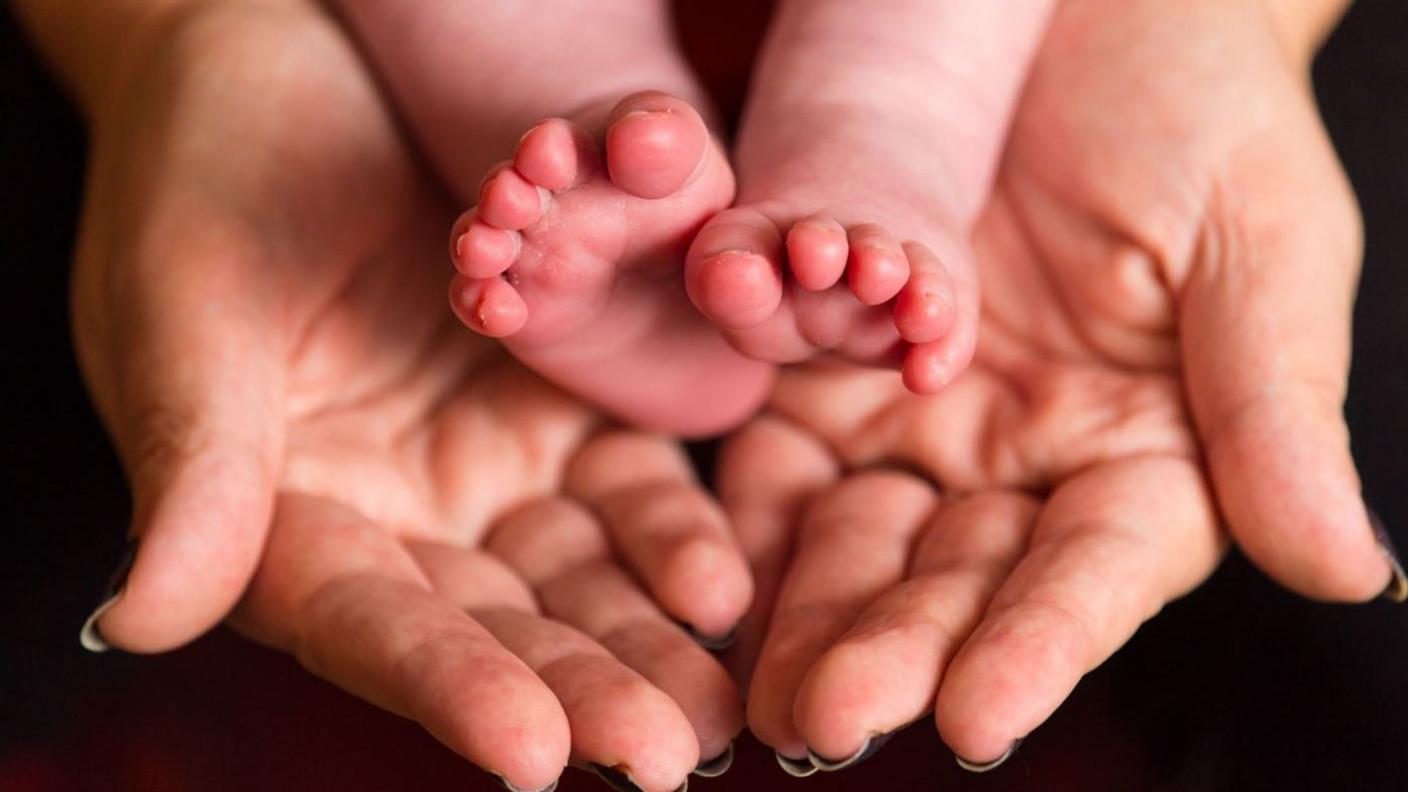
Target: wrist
(90, 45)
(1303, 25)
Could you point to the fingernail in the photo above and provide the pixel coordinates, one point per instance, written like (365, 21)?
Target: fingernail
(1397, 589)
(867, 749)
(714, 643)
(798, 768)
(90, 636)
(717, 766)
(621, 782)
(983, 767)
(503, 782)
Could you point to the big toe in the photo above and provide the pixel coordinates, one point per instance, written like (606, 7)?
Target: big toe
(654, 143)
(733, 270)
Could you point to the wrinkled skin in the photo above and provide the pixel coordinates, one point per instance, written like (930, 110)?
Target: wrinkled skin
(1164, 348)
(259, 308)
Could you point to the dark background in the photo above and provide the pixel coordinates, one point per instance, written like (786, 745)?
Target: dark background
(1238, 686)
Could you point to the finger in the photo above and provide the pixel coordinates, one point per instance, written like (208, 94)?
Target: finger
(618, 720)
(1110, 548)
(884, 672)
(187, 373)
(621, 724)
(672, 533)
(564, 553)
(768, 472)
(354, 607)
(469, 579)
(1266, 346)
(853, 545)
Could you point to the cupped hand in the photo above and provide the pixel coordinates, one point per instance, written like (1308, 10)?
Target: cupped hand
(1168, 268)
(259, 312)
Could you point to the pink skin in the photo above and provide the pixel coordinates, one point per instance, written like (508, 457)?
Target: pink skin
(861, 170)
(570, 253)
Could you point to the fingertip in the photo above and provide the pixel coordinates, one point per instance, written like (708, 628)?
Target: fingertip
(706, 583)
(1288, 486)
(198, 551)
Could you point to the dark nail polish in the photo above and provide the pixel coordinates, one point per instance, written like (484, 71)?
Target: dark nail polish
(717, 766)
(797, 768)
(90, 636)
(865, 751)
(621, 782)
(615, 779)
(503, 782)
(983, 767)
(714, 643)
(1397, 589)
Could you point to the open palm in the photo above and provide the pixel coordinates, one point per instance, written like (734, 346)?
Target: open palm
(1168, 264)
(259, 307)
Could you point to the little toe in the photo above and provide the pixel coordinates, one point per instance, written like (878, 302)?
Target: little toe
(817, 252)
(509, 201)
(549, 154)
(482, 251)
(877, 267)
(925, 306)
(733, 270)
(488, 305)
(654, 144)
(929, 367)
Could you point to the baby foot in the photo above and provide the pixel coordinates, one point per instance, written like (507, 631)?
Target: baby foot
(572, 258)
(773, 283)
(867, 150)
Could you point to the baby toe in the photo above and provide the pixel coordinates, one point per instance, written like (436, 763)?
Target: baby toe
(817, 252)
(509, 201)
(488, 305)
(925, 306)
(877, 268)
(482, 251)
(733, 270)
(654, 144)
(548, 154)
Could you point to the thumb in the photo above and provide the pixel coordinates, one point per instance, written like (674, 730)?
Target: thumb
(1265, 317)
(182, 363)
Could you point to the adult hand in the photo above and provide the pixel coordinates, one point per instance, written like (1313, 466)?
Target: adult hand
(1169, 264)
(259, 312)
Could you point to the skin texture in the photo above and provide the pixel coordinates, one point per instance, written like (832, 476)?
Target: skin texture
(572, 258)
(1164, 348)
(577, 273)
(234, 331)
(867, 149)
(258, 307)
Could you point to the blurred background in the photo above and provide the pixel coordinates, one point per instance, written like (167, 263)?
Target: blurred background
(1238, 686)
